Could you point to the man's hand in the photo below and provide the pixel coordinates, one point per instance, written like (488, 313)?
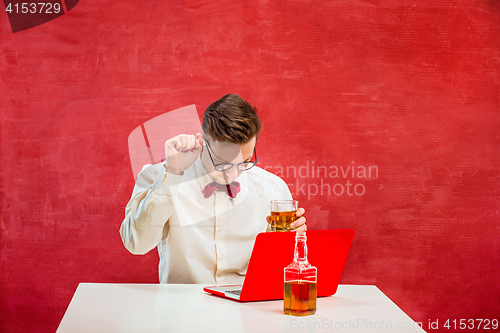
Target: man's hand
(181, 152)
(299, 225)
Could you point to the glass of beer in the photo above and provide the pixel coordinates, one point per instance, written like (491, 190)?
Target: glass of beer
(283, 213)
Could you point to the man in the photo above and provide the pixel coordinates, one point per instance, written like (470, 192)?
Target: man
(205, 204)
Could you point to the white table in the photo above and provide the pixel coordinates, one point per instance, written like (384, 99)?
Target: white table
(144, 308)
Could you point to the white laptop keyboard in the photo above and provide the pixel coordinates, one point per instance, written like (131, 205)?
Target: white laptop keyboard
(236, 292)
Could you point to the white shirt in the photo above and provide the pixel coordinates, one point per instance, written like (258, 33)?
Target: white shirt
(199, 240)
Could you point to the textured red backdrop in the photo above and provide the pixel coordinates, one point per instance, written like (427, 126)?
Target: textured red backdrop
(409, 88)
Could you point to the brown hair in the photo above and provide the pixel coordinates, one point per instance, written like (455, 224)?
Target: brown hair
(231, 119)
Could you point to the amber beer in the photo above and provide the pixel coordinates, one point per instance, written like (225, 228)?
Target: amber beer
(283, 213)
(280, 221)
(300, 298)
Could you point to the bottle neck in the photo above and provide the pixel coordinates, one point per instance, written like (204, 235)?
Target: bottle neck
(300, 253)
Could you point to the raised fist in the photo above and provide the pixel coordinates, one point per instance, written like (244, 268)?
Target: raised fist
(181, 152)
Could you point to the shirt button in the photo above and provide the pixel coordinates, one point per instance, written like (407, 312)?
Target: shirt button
(219, 230)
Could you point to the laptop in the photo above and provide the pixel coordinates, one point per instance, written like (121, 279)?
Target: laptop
(273, 251)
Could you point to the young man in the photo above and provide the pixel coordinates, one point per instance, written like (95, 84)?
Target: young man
(205, 204)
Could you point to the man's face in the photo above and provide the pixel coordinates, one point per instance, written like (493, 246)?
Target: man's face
(225, 152)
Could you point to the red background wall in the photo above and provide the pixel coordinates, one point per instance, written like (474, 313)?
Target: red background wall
(411, 87)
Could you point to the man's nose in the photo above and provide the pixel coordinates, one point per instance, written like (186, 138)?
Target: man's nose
(233, 172)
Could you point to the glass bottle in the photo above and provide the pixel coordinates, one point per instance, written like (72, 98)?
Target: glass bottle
(300, 282)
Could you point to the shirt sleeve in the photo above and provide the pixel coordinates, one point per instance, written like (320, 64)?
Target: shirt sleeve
(149, 209)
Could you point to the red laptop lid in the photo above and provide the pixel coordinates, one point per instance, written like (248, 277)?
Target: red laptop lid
(273, 251)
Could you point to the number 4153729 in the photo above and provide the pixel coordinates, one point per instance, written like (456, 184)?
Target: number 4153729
(33, 8)
(462, 324)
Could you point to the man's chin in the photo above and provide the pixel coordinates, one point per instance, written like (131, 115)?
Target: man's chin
(224, 181)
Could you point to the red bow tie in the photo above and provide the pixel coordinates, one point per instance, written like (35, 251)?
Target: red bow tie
(231, 189)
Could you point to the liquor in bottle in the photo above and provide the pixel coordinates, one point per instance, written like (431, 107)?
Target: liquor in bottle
(300, 282)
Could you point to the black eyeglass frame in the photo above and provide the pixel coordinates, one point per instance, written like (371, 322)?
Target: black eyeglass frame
(222, 166)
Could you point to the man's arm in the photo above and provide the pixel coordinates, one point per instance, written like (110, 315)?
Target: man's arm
(149, 209)
(152, 200)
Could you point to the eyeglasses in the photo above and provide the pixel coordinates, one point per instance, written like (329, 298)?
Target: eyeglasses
(243, 166)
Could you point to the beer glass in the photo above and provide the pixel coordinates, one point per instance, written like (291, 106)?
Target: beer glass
(283, 213)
